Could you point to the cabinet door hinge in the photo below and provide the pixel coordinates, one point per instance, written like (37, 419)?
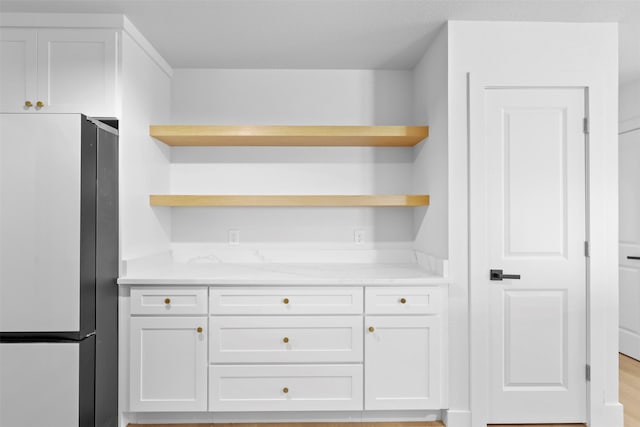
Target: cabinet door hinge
(585, 125)
(586, 249)
(587, 372)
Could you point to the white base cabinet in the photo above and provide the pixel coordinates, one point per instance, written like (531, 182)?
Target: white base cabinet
(168, 349)
(283, 349)
(402, 362)
(404, 347)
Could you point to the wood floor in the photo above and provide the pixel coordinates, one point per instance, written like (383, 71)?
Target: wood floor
(630, 390)
(629, 397)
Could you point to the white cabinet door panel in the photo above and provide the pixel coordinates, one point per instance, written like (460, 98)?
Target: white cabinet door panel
(285, 388)
(168, 364)
(39, 222)
(403, 362)
(285, 339)
(77, 71)
(18, 69)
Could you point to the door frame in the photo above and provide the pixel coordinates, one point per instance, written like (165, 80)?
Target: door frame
(603, 408)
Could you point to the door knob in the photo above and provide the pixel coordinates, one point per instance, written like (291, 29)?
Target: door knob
(499, 275)
(633, 257)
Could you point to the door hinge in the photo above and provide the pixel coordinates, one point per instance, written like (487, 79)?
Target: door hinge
(585, 125)
(586, 249)
(587, 372)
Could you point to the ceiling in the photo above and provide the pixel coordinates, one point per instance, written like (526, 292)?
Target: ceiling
(336, 34)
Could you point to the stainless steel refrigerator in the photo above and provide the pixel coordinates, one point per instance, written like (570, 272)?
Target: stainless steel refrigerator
(58, 270)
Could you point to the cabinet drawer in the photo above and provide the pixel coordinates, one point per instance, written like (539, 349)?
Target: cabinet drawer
(403, 300)
(285, 388)
(285, 339)
(169, 301)
(292, 300)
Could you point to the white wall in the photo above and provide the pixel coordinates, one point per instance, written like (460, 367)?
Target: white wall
(433, 233)
(144, 162)
(430, 156)
(292, 97)
(546, 50)
(629, 105)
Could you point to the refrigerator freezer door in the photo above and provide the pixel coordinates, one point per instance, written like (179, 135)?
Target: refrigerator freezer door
(40, 196)
(43, 384)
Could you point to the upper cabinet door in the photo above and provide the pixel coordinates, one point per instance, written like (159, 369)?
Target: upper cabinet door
(77, 71)
(18, 69)
(58, 71)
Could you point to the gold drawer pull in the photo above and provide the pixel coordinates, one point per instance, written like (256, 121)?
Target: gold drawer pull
(286, 300)
(403, 300)
(167, 300)
(285, 340)
(285, 390)
(39, 104)
(28, 104)
(371, 329)
(199, 329)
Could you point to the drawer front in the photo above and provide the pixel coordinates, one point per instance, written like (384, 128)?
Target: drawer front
(285, 339)
(403, 300)
(285, 388)
(293, 300)
(169, 301)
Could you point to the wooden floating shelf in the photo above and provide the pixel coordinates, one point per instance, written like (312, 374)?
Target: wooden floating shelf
(343, 136)
(288, 200)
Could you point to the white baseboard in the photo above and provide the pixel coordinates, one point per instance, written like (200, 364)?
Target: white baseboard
(284, 417)
(629, 343)
(608, 415)
(457, 418)
(629, 125)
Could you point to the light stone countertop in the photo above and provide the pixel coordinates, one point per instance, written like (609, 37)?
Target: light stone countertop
(284, 274)
(345, 268)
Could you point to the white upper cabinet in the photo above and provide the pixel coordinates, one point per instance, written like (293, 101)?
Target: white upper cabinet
(18, 68)
(58, 71)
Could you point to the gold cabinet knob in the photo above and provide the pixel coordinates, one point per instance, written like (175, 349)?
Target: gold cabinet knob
(39, 104)
(167, 300)
(199, 329)
(286, 300)
(285, 390)
(371, 329)
(285, 340)
(28, 104)
(403, 300)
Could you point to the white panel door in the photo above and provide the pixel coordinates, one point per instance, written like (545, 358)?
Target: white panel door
(77, 71)
(168, 364)
(535, 218)
(39, 222)
(18, 69)
(402, 362)
(630, 244)
(39, 384)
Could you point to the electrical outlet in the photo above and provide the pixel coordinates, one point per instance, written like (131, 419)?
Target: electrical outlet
(234, 237)
(358, 236)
